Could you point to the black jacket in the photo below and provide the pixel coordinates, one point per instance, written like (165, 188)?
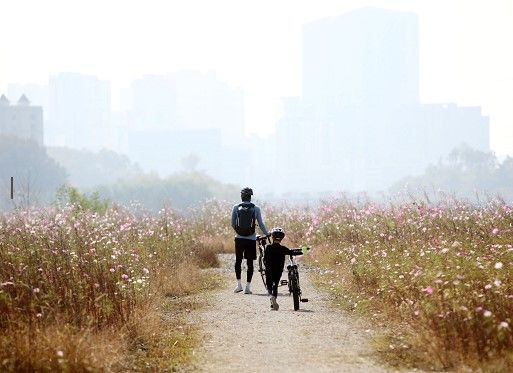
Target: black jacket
(274, 257)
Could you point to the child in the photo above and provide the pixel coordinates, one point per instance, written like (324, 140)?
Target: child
(274, 260)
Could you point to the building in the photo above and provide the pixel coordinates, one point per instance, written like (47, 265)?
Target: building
(366, 57)
(359, 124)
(38, 94)
(79, 112)
(21, 120)
(186, 100)
(170, 117)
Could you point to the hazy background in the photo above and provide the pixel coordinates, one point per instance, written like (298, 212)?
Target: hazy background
(298, 99)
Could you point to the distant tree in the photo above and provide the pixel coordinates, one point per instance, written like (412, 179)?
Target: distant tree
(36, 176)
(179, 191)
(504, 176)
(68, 194)
(87, 169)
(465, 172)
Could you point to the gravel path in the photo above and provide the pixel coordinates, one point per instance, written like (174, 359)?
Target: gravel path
(242, 333)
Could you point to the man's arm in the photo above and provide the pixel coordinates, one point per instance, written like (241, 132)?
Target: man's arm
(234, 216)
(260, 222)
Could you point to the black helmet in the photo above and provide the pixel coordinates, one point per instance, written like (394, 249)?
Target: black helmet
(277, 233)
(246, 192)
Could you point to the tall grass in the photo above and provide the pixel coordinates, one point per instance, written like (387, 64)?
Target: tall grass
(445, 271)
(69, 279)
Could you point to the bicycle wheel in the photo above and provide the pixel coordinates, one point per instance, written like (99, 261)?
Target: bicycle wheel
(294, 286)
(261, 269)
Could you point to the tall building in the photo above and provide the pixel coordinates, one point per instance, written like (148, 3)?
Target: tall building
(150, 102)
(79, 111)
(360, 114)
(202, 101)
(21, 120)
(186, 100)
(173, 116)
(364, 57)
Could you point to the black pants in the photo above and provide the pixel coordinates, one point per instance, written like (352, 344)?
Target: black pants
(244, 249)
(272, 280)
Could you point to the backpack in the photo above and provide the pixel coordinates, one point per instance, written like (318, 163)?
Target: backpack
(245, 220)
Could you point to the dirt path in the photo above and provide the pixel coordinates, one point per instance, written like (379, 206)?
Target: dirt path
(242, 333)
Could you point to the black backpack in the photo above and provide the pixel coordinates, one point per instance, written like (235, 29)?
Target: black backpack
(245, 220)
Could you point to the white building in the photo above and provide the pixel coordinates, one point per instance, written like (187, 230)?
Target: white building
(22, 120)
(79, 112)
(359, 124)
(186, 100)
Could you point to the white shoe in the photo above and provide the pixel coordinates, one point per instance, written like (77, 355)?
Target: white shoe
(238, 289)
(274, 305)
(248, 289)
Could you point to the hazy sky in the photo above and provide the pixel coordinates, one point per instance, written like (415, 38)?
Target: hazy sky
(466, 47)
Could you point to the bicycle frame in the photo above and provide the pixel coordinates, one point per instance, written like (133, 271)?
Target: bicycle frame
(263, 241)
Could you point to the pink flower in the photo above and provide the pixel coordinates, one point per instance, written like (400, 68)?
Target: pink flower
(428, 290)
(124, 276)
(503, 325)
(495, 231)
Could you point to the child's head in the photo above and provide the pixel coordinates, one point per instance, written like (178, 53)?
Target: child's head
(277, 234)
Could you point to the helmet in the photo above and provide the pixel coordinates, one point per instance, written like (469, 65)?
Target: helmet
(277, 233)
(246, 192)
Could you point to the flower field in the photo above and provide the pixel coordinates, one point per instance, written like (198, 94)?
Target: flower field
(75, 284)
(443, 272)
(70, 279)
(441, 275)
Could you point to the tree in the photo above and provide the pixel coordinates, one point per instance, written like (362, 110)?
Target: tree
(36, 176)
(87, 169)
(179, 191)
(465, 172)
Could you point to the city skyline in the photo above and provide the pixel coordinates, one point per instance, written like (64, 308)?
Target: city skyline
(459, 62)
(359, 114)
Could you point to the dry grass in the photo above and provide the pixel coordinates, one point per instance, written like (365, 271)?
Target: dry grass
(186, 280)
(155, 338)
(159, 338)
(219, 245)
(53, 348)
(83, 292)
(437, 279)
(206, 255)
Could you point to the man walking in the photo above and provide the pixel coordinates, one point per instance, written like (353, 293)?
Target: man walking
(245, 215)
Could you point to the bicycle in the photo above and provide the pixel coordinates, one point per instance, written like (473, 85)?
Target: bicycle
(293, 282)
(293, 273)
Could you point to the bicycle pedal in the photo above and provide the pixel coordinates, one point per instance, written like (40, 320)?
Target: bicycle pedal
(284, 282)
(304, 300)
